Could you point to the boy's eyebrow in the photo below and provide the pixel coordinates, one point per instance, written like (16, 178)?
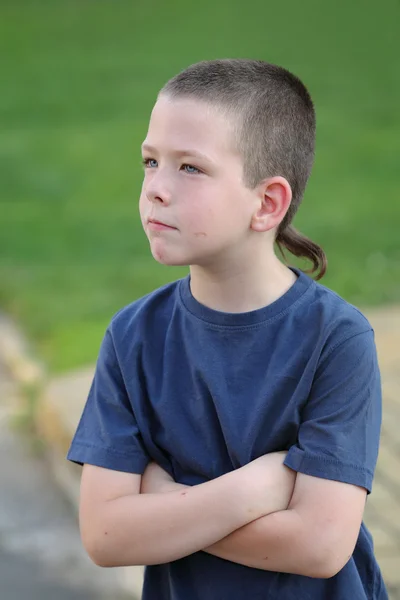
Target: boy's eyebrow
(179, 153)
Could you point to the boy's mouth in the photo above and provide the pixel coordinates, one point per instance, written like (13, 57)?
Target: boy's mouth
(156, 225)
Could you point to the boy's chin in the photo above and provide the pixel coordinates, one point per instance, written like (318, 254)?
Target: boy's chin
(170, 261)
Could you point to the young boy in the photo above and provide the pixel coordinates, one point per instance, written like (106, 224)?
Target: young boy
(231, 431)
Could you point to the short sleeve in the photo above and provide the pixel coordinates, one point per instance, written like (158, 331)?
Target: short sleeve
(108, 435)
(338, 437)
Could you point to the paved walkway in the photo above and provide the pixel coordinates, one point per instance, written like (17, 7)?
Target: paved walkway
(383, 507)
(41, 555)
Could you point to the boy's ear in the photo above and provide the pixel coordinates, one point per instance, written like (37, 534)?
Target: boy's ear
(275, 196)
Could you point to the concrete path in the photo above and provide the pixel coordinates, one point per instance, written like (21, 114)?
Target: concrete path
(41, 556)
(382, 514)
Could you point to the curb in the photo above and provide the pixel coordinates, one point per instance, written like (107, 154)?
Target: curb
(57, 408)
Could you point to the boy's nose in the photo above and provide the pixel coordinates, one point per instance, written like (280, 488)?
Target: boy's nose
(157, 191)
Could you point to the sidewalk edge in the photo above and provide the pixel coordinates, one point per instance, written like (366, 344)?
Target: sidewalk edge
(30, 375)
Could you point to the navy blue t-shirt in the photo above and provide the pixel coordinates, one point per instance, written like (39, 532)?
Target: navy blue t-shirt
(203, 392)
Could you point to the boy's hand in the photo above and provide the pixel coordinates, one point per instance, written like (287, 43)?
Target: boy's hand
(157, 481)
(265, 479)
(269, 481)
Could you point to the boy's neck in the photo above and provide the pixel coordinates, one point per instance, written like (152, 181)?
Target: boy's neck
(240, 289)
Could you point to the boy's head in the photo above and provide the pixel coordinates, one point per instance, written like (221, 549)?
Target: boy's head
(255, 123)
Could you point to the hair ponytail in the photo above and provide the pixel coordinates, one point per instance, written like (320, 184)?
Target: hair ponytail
(301, 246)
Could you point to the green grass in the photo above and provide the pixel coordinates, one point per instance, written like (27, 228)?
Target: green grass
(79, 80)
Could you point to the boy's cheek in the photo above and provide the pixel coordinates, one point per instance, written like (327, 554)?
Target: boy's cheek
(143, 209)
(199, 222)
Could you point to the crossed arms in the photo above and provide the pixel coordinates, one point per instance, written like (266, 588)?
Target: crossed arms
(262, 515)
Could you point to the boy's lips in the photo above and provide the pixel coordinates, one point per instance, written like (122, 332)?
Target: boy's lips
(156, 225)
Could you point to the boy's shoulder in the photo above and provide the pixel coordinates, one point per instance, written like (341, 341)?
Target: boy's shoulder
(157, 304)
(319, 312)
(339, 318)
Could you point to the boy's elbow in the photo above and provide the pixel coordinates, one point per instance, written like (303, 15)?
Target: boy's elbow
(325, 569)
(321, 570)
(98, 540)
(105, 550)
(100, 559)
(326, 561)
(96, 546)
(102, 553)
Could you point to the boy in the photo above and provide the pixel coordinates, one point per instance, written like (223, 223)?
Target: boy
(231, 432)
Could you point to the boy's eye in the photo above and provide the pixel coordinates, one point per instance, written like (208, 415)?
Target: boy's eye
(149, 163)
(190, 169)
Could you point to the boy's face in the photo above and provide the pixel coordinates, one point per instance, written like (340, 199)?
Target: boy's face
(193, 183)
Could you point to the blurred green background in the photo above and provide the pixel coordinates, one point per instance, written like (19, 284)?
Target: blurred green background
(79, 79)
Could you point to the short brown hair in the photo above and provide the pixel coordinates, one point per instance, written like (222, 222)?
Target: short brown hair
(274, 129)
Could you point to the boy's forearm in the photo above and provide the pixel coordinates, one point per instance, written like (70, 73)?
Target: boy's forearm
(157, 528)
(276, 542)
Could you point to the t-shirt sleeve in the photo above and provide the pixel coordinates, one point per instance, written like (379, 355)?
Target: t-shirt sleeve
(108, 435)
(338, 437)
